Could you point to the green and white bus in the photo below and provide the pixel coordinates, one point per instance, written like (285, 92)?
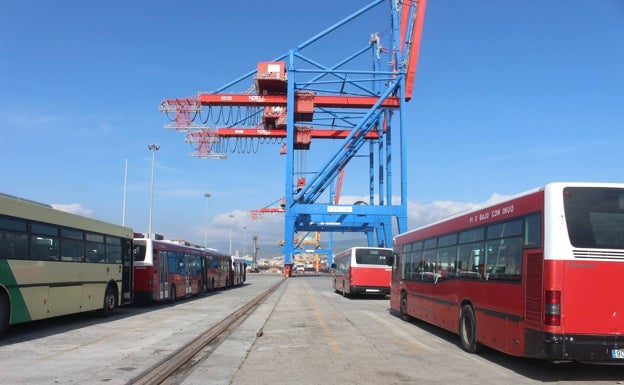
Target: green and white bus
(54, 263)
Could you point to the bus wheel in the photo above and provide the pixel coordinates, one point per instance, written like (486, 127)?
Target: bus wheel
(468, 330)
(110, 301)
(212, 286)
(172, 294)
(5, 313)
(403, 305)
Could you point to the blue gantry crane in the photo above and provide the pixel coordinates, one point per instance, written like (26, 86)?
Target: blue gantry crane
(357, 101)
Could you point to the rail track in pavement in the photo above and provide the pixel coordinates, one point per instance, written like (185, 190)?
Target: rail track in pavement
(173, 368)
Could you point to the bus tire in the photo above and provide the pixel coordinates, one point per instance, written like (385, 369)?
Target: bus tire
(403, 307)
(5, 313)
(212, 285)
(110, 301)
(172, 294)
(344, 292)
(468, 331)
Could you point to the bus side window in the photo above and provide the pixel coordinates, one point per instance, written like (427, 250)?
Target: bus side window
(533, 230)
(6, 250)
(40, 252)
(13, 245)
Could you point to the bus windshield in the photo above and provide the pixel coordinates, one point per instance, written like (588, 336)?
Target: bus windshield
(595, 217)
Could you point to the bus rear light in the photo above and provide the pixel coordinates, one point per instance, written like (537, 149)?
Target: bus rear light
(552, 308)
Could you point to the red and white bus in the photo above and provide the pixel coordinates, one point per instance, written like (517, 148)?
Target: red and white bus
(165, 270)
(362, 270)
(238, 273)
(535, 276)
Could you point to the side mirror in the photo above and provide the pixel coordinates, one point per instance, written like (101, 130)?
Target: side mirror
(333, 266)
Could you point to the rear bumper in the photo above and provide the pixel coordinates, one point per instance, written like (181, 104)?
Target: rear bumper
(574, 347)
(370, 289)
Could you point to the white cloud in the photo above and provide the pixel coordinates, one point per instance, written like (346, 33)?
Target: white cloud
(421, 215)
(74, 208)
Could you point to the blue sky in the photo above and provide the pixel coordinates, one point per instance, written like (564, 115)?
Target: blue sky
(508, 95)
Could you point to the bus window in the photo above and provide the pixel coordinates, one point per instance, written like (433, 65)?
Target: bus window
(505, 229)
(473, 235)
(72, 245)
(370, 257)
(181, 261)
(446, 262)
(428, 267)
(95, 248)
(407, 266)
(114, 252)
(138, 252)
(504, 258)
(173, 266)
(468, 256)
(533, 230)
(44, 242)
(13, 239)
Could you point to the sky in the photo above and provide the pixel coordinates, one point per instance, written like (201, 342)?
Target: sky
(508, 96)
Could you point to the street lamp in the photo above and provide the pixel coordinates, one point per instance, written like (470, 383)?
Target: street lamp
(153, 148)
(244, 241)
(206, 195)
(231, 223)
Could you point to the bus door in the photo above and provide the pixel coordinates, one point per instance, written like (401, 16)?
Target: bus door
(127, 274)
(187, 276)
(163, 275)
(204, 274)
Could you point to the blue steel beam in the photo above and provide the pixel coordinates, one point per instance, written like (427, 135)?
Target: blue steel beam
(384, 214)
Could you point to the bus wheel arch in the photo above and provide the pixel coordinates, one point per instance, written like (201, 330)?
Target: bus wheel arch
(468, 329)
(110, 299)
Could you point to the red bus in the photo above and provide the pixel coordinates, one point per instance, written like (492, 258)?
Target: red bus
(362, 270)
(166, 270)
(535, 276)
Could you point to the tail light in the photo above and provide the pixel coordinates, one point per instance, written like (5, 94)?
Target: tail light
(552, 308)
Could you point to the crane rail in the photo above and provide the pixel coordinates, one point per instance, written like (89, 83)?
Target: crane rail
(186, 356)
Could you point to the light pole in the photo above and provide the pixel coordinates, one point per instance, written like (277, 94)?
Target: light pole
(244, 241)
(206, 195)
(231, 223)
(153, 148)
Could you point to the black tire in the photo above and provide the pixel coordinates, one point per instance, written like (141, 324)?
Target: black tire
(344, 292)
(468, 331)
(110, 301)
(403, 307)
(212, 285)
(5, 313)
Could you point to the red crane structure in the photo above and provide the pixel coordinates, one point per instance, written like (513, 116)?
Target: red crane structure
(357, 100)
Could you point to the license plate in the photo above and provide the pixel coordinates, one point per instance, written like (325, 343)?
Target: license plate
(617, 354)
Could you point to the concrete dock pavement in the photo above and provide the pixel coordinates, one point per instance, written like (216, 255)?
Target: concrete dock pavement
(299, 335)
